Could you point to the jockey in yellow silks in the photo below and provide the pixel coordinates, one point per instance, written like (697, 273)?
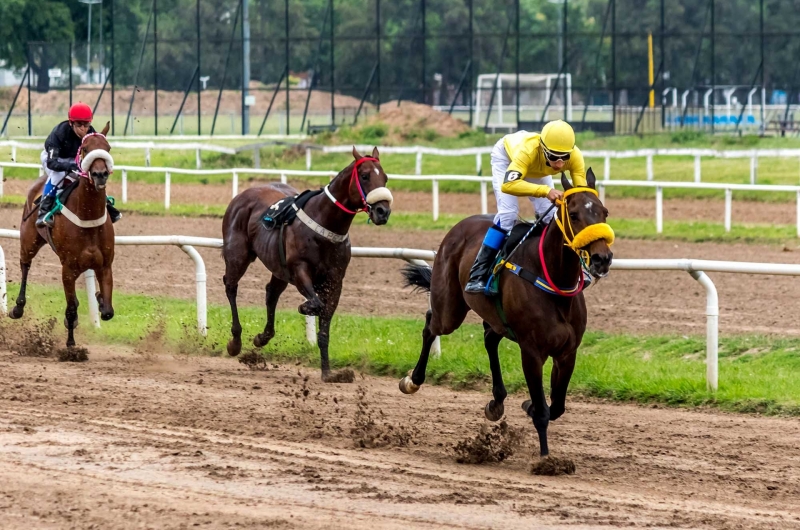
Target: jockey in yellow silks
(523, 165)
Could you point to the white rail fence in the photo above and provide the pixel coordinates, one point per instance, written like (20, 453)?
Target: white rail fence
(435, 179)
(419, 151)
(696, 268)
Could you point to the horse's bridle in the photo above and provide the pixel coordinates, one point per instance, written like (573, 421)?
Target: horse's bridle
(79, 156)
(354, 176)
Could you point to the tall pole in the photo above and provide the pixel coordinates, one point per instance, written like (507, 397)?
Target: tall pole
(199, 72)
(471, 63)
(516, 59)
(112, 67)
(89, 45)
(614, 65)
(30, 72)
(155, 65)
(424, 55)
(70, 73)
(763, 64)
(102, 51)
(713, 67)
(333, 70)
(567, 86)
(661, 45)
(245, 66)
(378, 49)
(286, 31)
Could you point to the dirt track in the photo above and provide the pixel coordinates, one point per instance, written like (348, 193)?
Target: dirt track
(133, 440)
(638, 302)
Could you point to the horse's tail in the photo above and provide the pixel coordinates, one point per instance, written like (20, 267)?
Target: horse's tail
(418, 277)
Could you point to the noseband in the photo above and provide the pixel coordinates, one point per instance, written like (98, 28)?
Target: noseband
(354, 177)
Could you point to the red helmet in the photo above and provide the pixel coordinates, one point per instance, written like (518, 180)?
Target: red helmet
(80, 112)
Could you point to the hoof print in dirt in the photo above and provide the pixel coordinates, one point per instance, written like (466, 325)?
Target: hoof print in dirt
(254, 361)
(342, 376)
(494, 443)
(551, 466)
(73, 355)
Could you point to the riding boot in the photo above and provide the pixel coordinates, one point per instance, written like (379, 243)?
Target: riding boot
(113, 213)
(481, 268)
(46, 204)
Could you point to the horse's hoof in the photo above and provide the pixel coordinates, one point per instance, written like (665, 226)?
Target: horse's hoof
(108, 315)
(407, 386)
(261, 340)
(308, 309)
(234, 347)
(526, 407)
(494, 411)
(16, 312)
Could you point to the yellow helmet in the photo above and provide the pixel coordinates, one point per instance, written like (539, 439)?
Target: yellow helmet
(558, 136)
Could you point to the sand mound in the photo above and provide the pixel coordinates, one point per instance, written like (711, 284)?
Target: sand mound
(412, 119)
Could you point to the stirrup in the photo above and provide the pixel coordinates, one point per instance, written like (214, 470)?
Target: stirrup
(475, 287)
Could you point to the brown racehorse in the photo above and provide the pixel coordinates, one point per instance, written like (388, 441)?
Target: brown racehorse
(313, 252)
(79, 248)
(544, 324)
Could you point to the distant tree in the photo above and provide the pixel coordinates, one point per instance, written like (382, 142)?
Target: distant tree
(25, 22)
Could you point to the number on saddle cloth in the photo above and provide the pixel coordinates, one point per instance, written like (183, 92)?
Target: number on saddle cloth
(282, 213)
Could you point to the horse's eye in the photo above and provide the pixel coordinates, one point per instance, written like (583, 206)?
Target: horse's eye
(573, 216)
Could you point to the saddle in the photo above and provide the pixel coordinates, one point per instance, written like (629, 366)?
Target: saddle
(284, 211)
(61, 198)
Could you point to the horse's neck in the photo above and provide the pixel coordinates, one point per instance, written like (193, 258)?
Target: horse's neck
(326, 213)
(86, 202)
(562, 262)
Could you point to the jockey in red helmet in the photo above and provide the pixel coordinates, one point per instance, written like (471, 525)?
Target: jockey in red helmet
(58, 158)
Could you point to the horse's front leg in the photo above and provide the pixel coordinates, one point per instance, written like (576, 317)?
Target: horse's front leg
(537, 407)
(106, 281)
(68, 277)
(19, 308)
(313, 306)
(559, 381)
(494, 409)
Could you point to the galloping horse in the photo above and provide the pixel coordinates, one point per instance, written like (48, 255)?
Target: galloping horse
(539, 305)
(82, 237)
(312, 254)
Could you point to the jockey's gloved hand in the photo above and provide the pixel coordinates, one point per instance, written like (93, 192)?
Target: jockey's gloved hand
(74, 167)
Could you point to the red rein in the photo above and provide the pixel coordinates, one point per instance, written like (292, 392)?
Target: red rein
(354, 176)
(547, 274)
(79, 158)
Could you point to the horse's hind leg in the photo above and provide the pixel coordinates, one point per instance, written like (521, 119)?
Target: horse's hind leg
(559, 381)
(537, 407)
(29, 247)
(68, 278)
(410, 384)
(234, 270)
(491, 340)
(275, 288)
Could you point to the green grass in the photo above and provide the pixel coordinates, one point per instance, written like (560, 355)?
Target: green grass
(757, 373)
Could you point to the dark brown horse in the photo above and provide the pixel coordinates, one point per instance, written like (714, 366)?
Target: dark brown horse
(82, 237)
(544, 324)
(312, 253)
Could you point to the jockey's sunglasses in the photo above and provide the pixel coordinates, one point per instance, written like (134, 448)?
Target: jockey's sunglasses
(82, 124)
(554, 157)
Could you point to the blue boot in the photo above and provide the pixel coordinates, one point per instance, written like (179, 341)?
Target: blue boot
(482, 268)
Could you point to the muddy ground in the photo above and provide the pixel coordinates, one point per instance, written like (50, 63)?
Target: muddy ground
(141, 439)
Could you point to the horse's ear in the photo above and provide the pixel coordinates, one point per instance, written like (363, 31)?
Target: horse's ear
(104, 132)
(591, 180)
(375, 152)
(355, 154)
(565, 182)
